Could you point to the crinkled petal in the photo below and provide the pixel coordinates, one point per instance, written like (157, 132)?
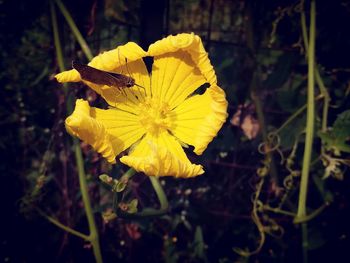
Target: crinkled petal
(161, 155)
(199, 118)
(190, 43)
(82, 125)
(174, 78)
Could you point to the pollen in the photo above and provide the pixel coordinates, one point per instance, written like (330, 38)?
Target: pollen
(154, 115)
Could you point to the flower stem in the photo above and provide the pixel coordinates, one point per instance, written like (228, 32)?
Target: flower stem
(129, 173)
(160, 192)
(93, 237)
(75, 30)
(151, 212)
(310, 118)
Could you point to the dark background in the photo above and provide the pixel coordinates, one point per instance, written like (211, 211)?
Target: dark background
(211, 214)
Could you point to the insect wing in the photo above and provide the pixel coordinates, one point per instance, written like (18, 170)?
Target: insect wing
(99, 76)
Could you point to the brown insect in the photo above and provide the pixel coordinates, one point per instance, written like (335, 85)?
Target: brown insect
(101, 77)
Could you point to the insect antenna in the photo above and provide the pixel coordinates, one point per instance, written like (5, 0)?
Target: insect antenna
(135, 84)
(121, 90)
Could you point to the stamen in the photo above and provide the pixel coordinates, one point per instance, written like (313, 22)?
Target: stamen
(154, 115)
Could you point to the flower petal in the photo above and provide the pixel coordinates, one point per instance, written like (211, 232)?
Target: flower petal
(112, 59)
(198, 119)
(126, 60)
(88, 129)
(109, 132)
(175, 77)
(161, 155)
(119, 124)
(190, 43)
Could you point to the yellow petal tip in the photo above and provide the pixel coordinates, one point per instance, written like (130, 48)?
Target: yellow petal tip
(68, 76)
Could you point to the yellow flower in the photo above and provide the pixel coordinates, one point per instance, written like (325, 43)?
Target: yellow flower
(154, 122)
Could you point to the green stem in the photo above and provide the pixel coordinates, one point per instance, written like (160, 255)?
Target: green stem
(310, 118)
(129, 173)
(56, 36)
(327, 100)
(75, 30)
(160, 192)
(93, 237)
(64, 227)
(304, 27)
(314, 213)
(151, 212)
(59, 54)
(319, 81)
(278, 210)
(294, 115)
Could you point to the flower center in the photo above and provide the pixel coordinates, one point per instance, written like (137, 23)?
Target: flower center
(154, 115)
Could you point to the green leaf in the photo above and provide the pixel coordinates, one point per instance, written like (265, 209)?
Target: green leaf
(337, 137)
(341, 126)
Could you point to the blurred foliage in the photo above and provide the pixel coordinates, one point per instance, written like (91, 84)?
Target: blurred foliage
(209, 215)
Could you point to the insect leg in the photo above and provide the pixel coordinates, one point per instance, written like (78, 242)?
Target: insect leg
(127, 69)
(117, 95)
(121, 90)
